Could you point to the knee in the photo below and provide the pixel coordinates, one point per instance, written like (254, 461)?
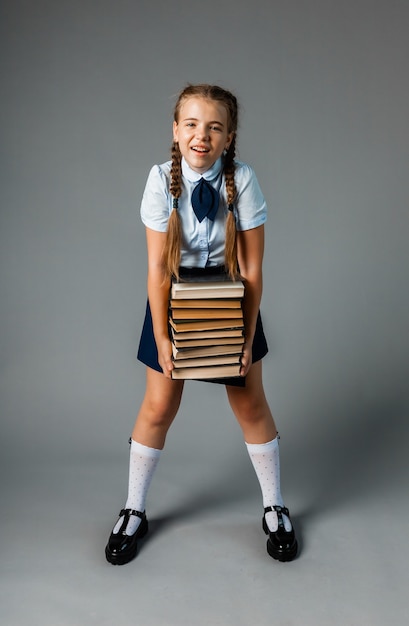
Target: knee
(159, 413)
(249, 410)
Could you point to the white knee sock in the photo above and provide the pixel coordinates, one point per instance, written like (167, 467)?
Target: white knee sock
(142, 464)
(266, 462)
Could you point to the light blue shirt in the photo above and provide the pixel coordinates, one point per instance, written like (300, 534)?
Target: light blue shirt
(203, 242)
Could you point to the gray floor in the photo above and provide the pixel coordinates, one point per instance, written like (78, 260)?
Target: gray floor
(204, 561)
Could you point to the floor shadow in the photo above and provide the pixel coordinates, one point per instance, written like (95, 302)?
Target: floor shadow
(353, 458)
(224, 487)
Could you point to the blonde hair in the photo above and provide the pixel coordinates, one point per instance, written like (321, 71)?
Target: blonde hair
(173, 245)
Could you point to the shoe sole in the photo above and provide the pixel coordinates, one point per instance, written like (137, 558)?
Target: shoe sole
(284, 556)
(118, 559)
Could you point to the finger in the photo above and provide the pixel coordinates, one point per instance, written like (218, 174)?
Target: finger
(169, 366)
(166, 372)
(244, 366)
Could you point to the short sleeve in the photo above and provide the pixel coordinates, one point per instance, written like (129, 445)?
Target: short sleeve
(250, 204)
(155, 200)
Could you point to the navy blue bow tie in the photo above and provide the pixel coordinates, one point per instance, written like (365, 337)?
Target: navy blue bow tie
(205, 200)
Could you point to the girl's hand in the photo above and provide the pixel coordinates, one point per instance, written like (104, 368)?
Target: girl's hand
(165, 357)
(246, 359)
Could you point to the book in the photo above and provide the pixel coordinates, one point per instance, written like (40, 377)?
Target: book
(196, 343)
(184, 326)
(199, 351)
(208, 303)
(204, 314)
(216, 334)
(208, 361)
(203, 373)
(207, 289)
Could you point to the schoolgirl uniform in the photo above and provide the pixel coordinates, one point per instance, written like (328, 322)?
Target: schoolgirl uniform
(203, 241)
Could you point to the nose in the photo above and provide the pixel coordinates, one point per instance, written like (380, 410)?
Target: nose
(202, 131)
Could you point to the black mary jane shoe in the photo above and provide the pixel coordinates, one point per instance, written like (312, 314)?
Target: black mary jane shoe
(281, 544)
(122, 548)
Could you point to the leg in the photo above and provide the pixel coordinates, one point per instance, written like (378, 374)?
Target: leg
(250, 406)
(260, 434)
(158, 409)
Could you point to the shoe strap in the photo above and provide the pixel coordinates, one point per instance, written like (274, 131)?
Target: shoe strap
(280, 510)
(277, 509)
(128, 512)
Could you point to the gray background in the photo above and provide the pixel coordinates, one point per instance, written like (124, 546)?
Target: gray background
(87, 93)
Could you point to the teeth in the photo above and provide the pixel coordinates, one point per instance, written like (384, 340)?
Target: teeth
(200, 149)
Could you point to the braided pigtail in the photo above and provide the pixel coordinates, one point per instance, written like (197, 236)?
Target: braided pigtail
(173, 244)
(230, 252)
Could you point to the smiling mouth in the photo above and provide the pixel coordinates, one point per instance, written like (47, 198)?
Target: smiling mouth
(200, 150)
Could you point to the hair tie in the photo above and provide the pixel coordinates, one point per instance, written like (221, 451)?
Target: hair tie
(230, 207)
(175, 203)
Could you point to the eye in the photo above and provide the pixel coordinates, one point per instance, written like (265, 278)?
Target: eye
(216, 128)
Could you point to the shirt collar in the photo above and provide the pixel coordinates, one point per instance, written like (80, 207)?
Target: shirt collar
(210, 174)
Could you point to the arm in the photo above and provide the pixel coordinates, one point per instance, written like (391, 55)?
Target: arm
(250, 251)
(158, 294)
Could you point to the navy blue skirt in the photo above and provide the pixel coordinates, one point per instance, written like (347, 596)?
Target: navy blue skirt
(148, 353)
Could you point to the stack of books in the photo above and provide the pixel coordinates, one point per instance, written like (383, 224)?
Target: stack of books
(207, 331)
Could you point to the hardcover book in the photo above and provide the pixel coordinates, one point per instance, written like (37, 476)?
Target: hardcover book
(209, 334)
(210, 303)
(202, 373)
(205, 314)
(208, 361)
(193, 343)
(208, 324)
(187, 353)
(207, 289)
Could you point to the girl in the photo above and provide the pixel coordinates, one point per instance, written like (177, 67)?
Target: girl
(218, 229)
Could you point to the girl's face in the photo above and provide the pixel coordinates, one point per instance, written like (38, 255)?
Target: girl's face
(202, 132)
